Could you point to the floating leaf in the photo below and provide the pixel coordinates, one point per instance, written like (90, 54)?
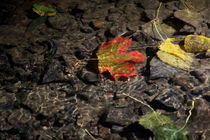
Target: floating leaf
(172, 54)
(196, 43)
(170, 132)
(41, 9)
(153, 120)
(112, 57)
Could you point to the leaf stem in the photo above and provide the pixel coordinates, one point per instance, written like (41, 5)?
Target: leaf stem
(89, 134)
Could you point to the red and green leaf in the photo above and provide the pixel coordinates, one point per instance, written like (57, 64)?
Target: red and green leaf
(112, 57)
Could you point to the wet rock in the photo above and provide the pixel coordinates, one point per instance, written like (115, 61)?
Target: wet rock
(192, 18)
(164, 30)
(89, 45)
(158, 69)
(169, 99)
(187, 28)
(151, 90)
(134, 87)
(115, 15)
(19, 116)
(46, 100)
(4, 125)
(88, 114)
(201, 75)
(103, 131)
(86, 29)
(197, 83)
(96, 12)
(4, 63)
(200, 117)
(6, 100)
(60, 21)
(11, 35)
(88, 77)
(19, 56)
(116, 30)
(148, 15)
(63, 5)
(142, 38)
(149, 4)
(54, 72)
(121, 116)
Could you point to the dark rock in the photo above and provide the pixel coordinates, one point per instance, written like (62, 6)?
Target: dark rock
(170, 99)
(115, 15)
(6, 100)
(4, 125)
(201, 75)
(60, 21)
(152, 90)
(54, 72)
(148, 4)
(19, 116)
(4, 63)
(194, 20)
(89, 45)
(19, 56)
(46, 100)
(116, 30)
(11, 35)
(199, 90)
(142, 38)
(88, 77)
(121, 116)
(159, 69)
(200, 118)
(86, 29)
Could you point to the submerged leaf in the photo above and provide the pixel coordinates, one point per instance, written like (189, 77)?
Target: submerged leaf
(112, 57)
(170, 132)
(196, 43)
(153, 120)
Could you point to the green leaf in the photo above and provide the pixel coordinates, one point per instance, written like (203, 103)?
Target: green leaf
(153, 120)
(43, 8)
(170, 132)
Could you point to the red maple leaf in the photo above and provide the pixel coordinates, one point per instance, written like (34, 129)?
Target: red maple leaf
(112, 57)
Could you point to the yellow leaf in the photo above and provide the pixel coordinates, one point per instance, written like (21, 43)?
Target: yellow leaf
(196, 43)
(174, 55)
(173, 60)
(39, 12)
(175, 49)
(51, 14)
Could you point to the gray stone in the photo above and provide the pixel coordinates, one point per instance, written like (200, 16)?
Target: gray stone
(159, 69)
